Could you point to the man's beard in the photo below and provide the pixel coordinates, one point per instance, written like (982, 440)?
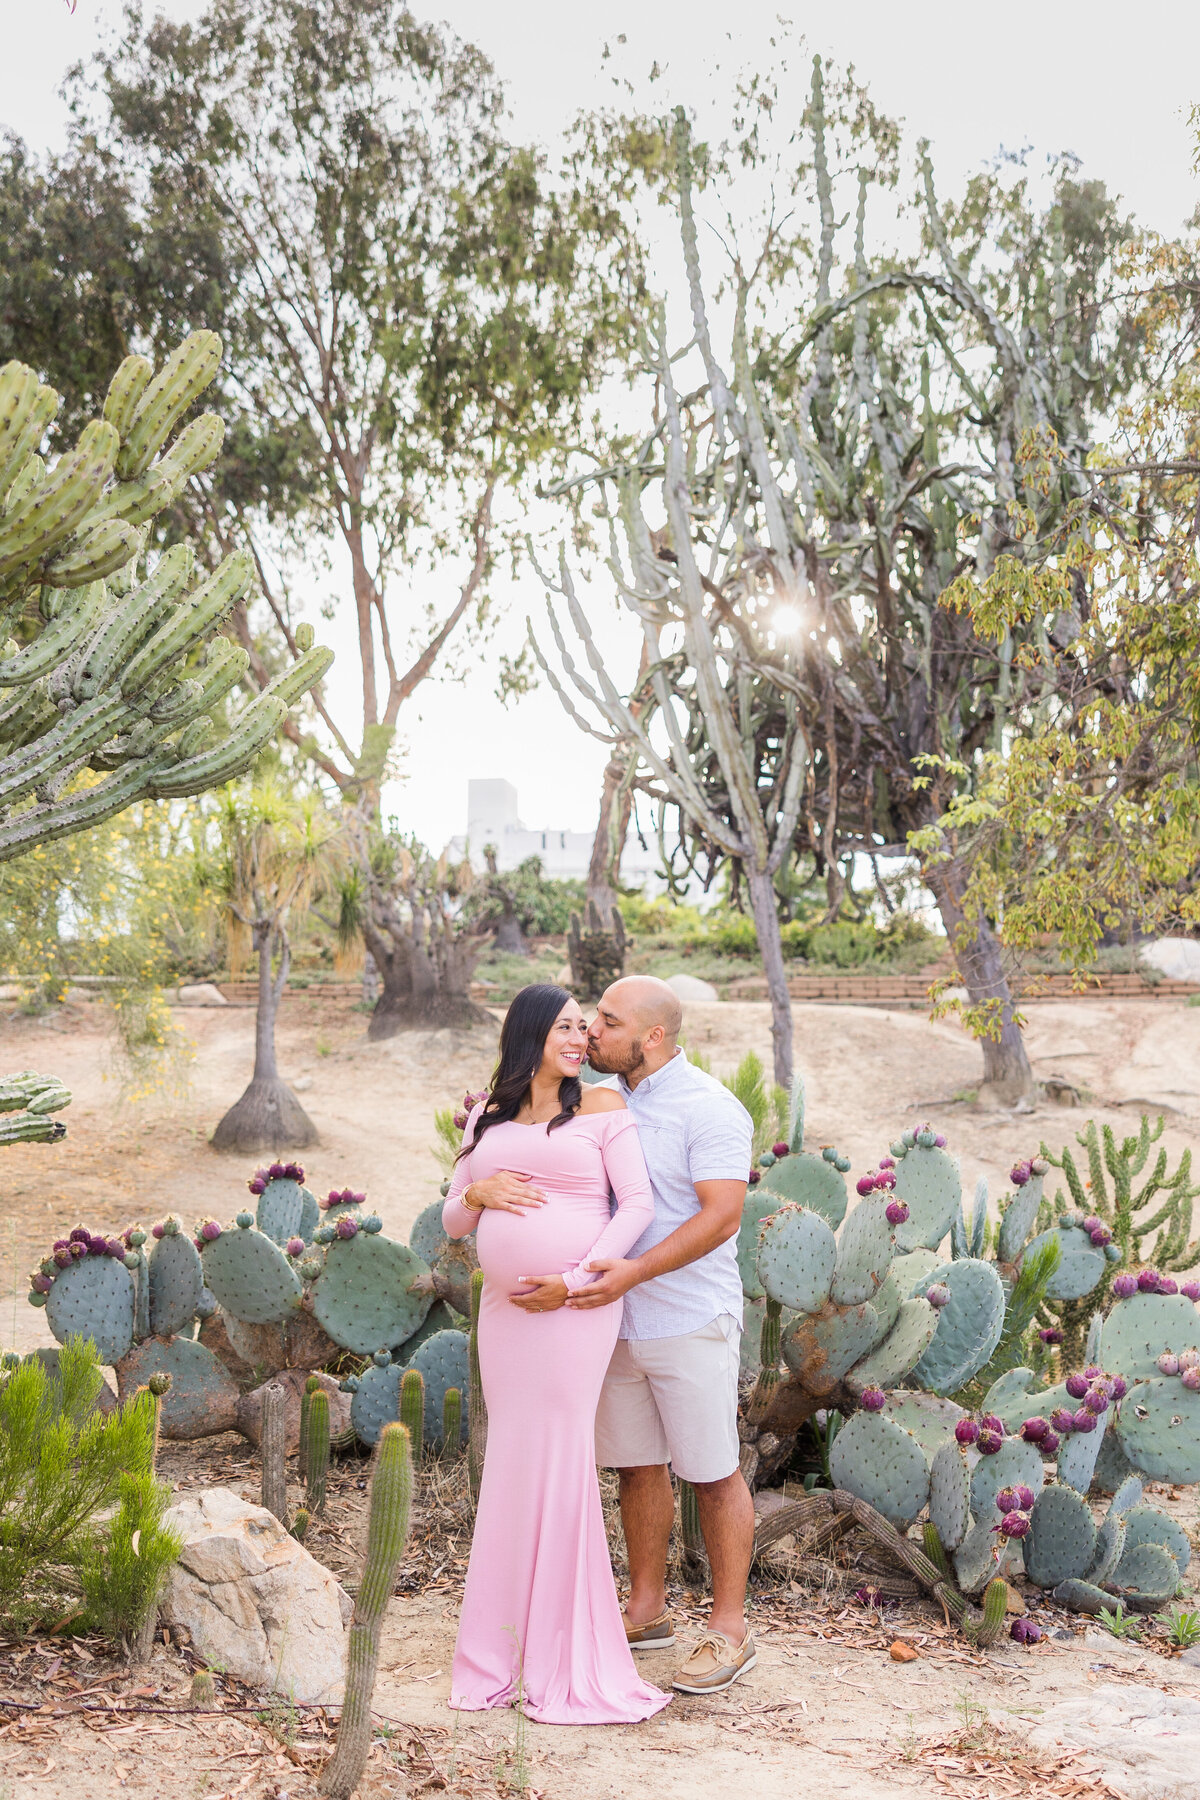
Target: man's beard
(609, 1064)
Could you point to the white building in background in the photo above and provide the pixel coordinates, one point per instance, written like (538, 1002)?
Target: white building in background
(492, 818)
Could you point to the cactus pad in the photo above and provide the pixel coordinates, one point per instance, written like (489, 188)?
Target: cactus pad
(928, 1181)
(821, 1347)
(362, 1296)
(887, 1304)
(1110, 1547)
(1061, 1545)
(443, 1361)
(1010, 1399)
(1018, 1220)
(1015, 1464)
(438, 1318)
(376, 1401)
(1147, 1575)
(296, 1343)
(251, 1277)
(1138, 1330)
(882, 1464)
(428, 1236)
(1081, 1596)
(1147, 1525)
(902, 1348)
(176, 1282)
(1080, 1266)
(1159, 1429)
(286, 1210)
(969, 1325)
(203, 1397)
(976, 1561)
(930, 1418)
(452, 1273)
(1079, 1453)
(914, 1271)
(796, 1256)
(949, 1494)
(1127, 1495)
(94, 1299)
(809, 1181)
(756, 1207)
(865, 1251)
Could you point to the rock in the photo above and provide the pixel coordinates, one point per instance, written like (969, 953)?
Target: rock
(1176, 958)
(902, 1652)
(255, 1603)
(1014, 1600)
(201, 993)
(691, 988)
(1148, 1741)
(301, 1084)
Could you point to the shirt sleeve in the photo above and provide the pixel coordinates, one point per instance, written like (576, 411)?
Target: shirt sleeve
(459, 1221)
(720, 1140)
(625, 1167)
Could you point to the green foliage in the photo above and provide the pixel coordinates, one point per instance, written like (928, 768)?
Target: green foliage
(539, 903)
(1026, 1296)
(768, 1107)
(123, 1576)
(1118, 1623)
(1183, 1628)
(61, 1464)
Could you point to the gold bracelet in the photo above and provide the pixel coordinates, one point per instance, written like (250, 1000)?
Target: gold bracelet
(466, 1202)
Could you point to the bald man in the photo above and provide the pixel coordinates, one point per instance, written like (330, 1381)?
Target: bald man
(671, 1394)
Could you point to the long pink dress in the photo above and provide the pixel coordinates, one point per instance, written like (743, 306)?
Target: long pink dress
(540, 1614)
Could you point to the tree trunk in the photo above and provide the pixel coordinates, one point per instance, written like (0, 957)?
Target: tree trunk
(418, 994)
(766, 924)
(604, 869)
(1007, 1075)
(509, 936)
(268, 1116)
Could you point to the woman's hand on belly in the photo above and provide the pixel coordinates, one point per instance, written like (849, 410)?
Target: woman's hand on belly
(549, 1292)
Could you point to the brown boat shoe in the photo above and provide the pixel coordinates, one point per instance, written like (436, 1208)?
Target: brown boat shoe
(655, 1634)
(716, 1663)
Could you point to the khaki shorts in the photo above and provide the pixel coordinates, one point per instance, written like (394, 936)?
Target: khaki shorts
(673, 1400)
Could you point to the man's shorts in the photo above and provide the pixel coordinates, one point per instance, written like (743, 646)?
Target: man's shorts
(673, 1400)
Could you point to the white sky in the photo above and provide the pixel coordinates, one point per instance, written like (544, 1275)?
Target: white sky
(1113, 84)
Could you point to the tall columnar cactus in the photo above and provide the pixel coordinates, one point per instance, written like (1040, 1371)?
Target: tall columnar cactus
(387, 1534)
(412, 1410)
(452, 1421)
(114, 666)
(695, 1556)
(27, 1102)
(316, 1452)
(274, 1454)
(311, 1386)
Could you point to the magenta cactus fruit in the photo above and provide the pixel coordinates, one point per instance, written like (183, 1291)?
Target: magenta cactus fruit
(1076, 1386)
(967, 1432)
(1050, 1443)
(1124, 1286)
(897, 1212)
(1167, 1364)
(1025, 1498)
(1148, 1281)
(1167, 1285)
(41, 1284)
(257, 1186)
(1084, 1421)
(1120, 1387)
(1093, 1223)
(63, 1259)
(1019, 1174)
(1050, 1334)
(1007, 1501)
(1024, 1631)
(887, 1162)
(460, 1121)
(1014, 1524)
(1191, 1379)
(1035, 1429)
(872, 1399)
(1095, 1403)
(939, 1140)
(989, 1422)
(1189, 1359)
(989, 1442)
(938, 1295)
(347, 1228)
(156, 1231)
(275, 1171)
(1190, 1290)
(1062, 1419)
(1100, 1236)
(755, 1176)
(781, 1148)
(209, 1231)
(296, 1246)
(865, 1185)
(79, 1235)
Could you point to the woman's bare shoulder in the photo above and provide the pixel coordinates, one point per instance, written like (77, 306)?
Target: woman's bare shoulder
(601, 1100)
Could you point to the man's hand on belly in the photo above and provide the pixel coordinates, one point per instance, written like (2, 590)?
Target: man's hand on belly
(549, 1292)
(618, 1275)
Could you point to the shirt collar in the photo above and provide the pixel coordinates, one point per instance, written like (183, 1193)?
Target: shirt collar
(650, 1084)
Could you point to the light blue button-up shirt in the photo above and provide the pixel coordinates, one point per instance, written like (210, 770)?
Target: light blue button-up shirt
(691, 1129)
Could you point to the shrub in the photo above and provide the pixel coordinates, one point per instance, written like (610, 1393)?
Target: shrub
(61, 1464)
(123, 1576)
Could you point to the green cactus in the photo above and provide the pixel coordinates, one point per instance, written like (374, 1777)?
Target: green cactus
(452, 1422)
(316, 1452)
(251, 1277)
(126, 655)
(995, 1610)
(286, 1209)
(695, 1556)
(175, 1278)
(949, 1496)
(1061, 1545)
(412, 1410)
(273, 1450)
(1159, 1428)
(935, 1550)
(428, 1237)
(28, 1101)
(928, 1181)
(310, 1388)
(883, 1464)
(864, 1253)
(969, 1325)
(387, 1534)
(301, 1523)
(203, 1396)
(364, 1296)
(94, 1298)
(376, 1399)
(797, 1254)
(443, 1361)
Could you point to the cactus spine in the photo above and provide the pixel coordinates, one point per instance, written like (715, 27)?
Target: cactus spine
(476, 1407)
(995, 1609)
(694, 1553)
(310, 1388)
(451, 1421)
(274, 1467)
(412, 1410)
(316, 1457)
(387, 1533)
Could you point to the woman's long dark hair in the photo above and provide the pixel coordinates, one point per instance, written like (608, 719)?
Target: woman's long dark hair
(522, 1045)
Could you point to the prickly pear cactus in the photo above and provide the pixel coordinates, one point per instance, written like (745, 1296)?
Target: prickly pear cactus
(93, 1297)
(364, 1296)
(864, 1252)
(797, 1252)
(428, 1237)
(1159, 1428)
(882, 1464)
(1080, 1265)
(949, 1494)
(203, 1397)
(969, 1325)
(810, 1181)
(285, 1208)
(249, 1274)
(908, 1338)
(443, 1362)
(756, 1209)
(1020, 1214)
(176, 1279)
(1147, 1525)
(1143, 1327)
(928, 1181)
(1061, 1545)
(375, 1399)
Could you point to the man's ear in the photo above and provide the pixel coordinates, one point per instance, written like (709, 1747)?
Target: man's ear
(654, 1036)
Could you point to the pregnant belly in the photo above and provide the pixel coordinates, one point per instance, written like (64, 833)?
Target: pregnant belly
(544, 1241)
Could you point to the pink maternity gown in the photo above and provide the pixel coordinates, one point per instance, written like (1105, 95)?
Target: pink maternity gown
(540, 1610)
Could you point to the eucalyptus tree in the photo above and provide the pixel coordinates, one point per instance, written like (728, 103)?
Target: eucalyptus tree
(877, 429)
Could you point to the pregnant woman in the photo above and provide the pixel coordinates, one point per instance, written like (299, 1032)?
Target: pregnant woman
(540, 1618)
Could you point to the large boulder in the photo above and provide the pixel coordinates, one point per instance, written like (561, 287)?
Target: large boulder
(254, 1602)
(691, 988)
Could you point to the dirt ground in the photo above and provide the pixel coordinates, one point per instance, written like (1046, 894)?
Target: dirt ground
(827, 1705)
